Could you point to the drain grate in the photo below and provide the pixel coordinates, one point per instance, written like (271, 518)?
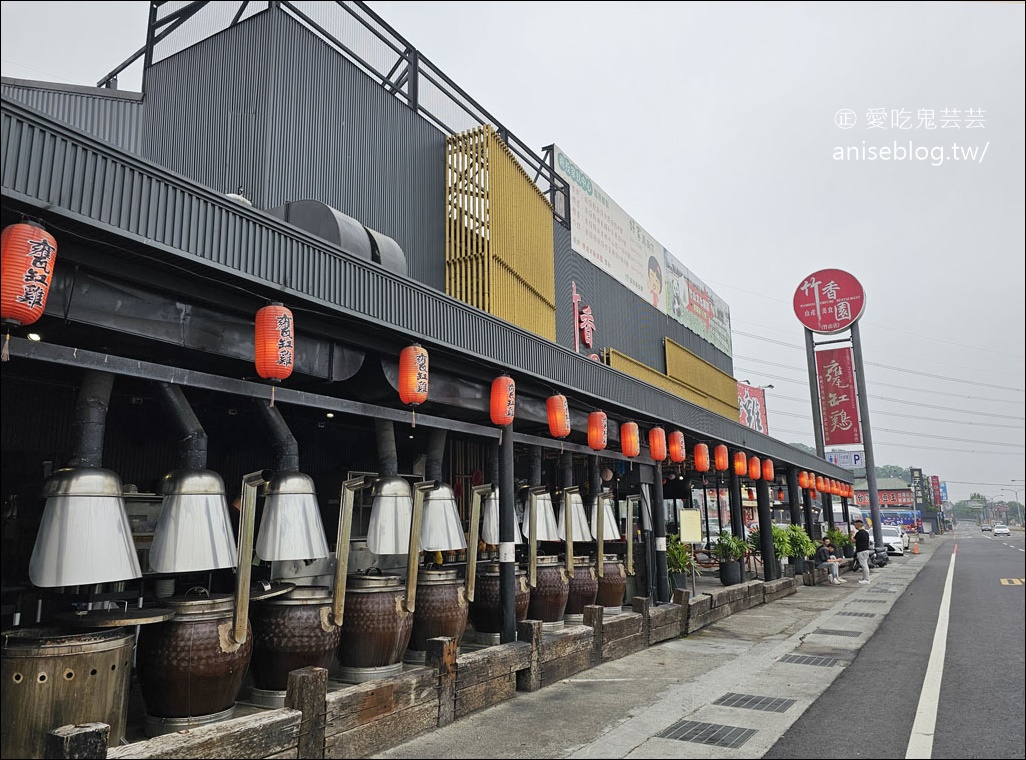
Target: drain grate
(753, 702)
(836, 632)
(883, 591)
(870, 601)
(804, 659)
(860, 614)
(707, 733)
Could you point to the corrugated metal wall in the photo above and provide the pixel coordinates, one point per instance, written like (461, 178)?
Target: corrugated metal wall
(108, 115)
(287, 118)
(499, 254)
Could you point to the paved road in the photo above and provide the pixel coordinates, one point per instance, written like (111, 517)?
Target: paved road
(648, 704)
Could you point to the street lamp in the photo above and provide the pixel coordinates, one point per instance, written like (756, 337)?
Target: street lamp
(1018, 504)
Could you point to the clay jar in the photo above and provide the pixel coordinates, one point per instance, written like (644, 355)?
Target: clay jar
(486, 609)
(612, 583)
(583, 586)
(549, 596)
(376, 626)
(190, 665)
(290, 632)
(441, 608)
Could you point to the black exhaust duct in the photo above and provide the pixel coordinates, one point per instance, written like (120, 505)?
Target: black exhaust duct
(436, 451)
(192, 449)
(90, 420)
(388, 458)
(286, 450)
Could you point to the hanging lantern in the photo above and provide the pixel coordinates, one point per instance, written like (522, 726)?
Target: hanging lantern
(721, 457)
(503, 401)
(754, 468)
(820, 483)
(780, 494)
(767, 469)
(701, 457)
(803, 479)
(813, 493)
(274, 342)
(598, 430)
(629, 442)
(751, 493)
(678, 449)
(657, 444)
(413, 377)
(740, 463)
(29, 254)
(559, 415)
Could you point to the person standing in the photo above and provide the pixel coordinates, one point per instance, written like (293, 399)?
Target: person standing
(862, 550)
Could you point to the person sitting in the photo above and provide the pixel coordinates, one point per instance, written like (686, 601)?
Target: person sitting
(826, 559)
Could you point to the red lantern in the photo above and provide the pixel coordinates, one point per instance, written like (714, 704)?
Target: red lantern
(767, 469)
(678, 450)
(751, 494)
(721, 458)
(754, 468)
(559, 415)
(702, 457)
(413, 375)
(598, 430)
(657, 444)
(813, 493)
(503, 401)
(820, 483)
(780, 494)
(29, 255)
(803, 479)
(740, 463)
(274, 340)
(629, 442)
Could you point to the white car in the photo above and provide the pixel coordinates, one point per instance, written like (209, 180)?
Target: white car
(1001, 530)
(893, 539)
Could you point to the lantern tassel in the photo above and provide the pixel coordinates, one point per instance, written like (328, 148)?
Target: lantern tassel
(272, 396)
(500, 436)
(5, 352)
(414, 412)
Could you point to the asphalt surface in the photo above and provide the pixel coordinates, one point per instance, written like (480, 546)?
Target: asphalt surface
(619, 709)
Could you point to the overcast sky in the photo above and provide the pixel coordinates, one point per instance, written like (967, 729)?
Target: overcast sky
(715, 126)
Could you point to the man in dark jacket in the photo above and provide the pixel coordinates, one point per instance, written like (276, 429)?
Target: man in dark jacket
(862, 549)
(825, 558)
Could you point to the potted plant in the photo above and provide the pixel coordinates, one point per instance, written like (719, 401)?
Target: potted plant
(781, 546)
(730, 550)
(680, 561)
(842, 541)
(800, 547)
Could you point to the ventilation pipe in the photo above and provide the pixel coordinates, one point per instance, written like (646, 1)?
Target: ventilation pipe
(194, 531)
(441, 529)
(388, 531)
(84, 536)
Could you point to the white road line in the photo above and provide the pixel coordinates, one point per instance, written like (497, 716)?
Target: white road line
(920, 743)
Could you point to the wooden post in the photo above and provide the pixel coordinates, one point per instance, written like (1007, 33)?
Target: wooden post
(307, 691)
(440, 654)
(642, 605)
(86, 741)
(593, 617)
(531, 678)
(682, 597)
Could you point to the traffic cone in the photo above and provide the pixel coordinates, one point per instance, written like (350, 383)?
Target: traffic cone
(915, 548)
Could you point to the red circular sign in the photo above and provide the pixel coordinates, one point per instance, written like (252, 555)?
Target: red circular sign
(829, 301)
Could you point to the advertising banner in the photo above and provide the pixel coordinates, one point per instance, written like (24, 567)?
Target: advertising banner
(608, 237)
(751, 402)
(838, 397)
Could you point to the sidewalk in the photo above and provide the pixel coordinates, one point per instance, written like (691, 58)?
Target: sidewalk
(730, 690)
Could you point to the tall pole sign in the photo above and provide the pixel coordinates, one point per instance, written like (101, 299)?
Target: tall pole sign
(827, 302)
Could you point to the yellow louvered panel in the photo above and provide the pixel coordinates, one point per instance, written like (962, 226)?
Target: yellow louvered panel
(696, 391)
(499, 250)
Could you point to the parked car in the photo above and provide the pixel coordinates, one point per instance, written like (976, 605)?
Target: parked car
(985, 527)
(1001, 530)
(893, 538)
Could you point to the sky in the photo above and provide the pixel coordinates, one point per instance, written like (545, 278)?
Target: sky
(748, 139)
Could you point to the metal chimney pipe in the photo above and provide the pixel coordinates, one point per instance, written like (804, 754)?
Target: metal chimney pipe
(286, 449)
(90, 420)
(435, 454)
(388, 458)
(192, 449)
